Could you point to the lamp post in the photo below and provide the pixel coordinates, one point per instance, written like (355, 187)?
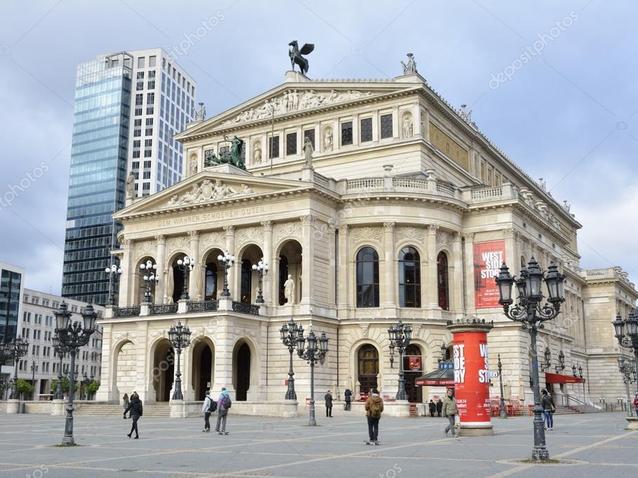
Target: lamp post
(185, 265)
(180, 337)
(262, 269)
(502, 411)
(228, 260)
(531, 313)
(59, 351)
(580, 374)
(73, 335)
(626, 369)
(626, 332)
(400, 336)
(148, 270)
(547, 359)
(15, 350)
(114, 271)
(313, 351)
(561, 362)
(289, 333)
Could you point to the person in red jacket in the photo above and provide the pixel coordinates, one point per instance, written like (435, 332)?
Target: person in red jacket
(636, 404)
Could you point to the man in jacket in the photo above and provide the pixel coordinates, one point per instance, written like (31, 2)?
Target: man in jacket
(328, 399)
(374, 409)
(439, 407)
(548, 409)
(136, 410)
(223, 404)
(432, 407)
(207, 409)
(450, 411)
(348, 396)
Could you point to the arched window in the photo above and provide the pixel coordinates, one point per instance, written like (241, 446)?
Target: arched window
(368, 367)
(523, 263)
(211, 281)
(442, 281)
(367, 278)
(409, 278)
(246, 281)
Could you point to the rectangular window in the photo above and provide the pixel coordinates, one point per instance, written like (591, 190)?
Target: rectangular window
(346, 133)
(291, 144)
(147, 153)
(140, 62)
(138, 122)
(273, 147)
(310, 134)
(386, 126)
(151, 61)
(140, 75)
(366, 130)
(139, 98)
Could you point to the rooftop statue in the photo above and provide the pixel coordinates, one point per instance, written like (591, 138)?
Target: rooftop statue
(409, 68)
(234, 156)
(296, 55)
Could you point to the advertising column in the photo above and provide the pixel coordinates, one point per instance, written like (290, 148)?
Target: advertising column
(471, 375)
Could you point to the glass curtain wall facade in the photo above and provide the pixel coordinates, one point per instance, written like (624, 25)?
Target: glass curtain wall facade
(98, 174)
(10, 287)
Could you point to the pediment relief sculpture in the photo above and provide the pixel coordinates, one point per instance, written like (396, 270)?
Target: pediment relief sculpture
(296, 100)
(208, 190)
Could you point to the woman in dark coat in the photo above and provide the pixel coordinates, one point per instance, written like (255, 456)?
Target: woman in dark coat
(136, 409)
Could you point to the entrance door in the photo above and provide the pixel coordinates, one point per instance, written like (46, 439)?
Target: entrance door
(368, 365)
(242, 363)
(413, 368)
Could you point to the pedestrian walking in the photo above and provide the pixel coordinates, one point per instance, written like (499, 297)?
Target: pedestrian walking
(348, 396)
(136, 411)
(439, 407)
(223, 405)
(374, 409)
(636, 404)
(328, 400)
(450, 411)
(208, 407)
(432, 407)
(548, 409)
(125, 402)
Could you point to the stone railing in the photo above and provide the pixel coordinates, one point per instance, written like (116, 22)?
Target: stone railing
(203, 306)
(245, 308)
(488, 194)
(160, 309)
(122, 312)
(364, 184)
(401, 184)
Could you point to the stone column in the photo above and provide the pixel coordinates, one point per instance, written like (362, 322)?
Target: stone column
(160, 287)
(307, 257)
(343, 280)
(127, 291)
(223, 361)
(468, 268)
(430, 282)
(512, 258)
(195, 277)
(230, 247)
(268, 255)
(456, 277)
(108, 388)
(389, 283)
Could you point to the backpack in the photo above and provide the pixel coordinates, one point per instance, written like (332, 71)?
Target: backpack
(375, 408)
(227, 403)
(213, 405)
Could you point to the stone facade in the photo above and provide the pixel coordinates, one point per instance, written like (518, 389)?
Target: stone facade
(398, 181)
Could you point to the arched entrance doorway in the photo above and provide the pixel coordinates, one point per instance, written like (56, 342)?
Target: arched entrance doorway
(124, 371)
(413, 368)
(249, 279)
(289, 264)
(241, 370)
(163, 370)
(213, 275)
(367, 368)
(140, 283)
(176, 279)
(202, 367)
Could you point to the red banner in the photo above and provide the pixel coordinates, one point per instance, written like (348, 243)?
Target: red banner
(471, 377)
(414, 362)
(488, 258)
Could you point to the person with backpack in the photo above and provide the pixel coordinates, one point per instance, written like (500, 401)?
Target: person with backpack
(328, 400)
(374, 409)
(450, 411)
(348, 396)
(208, 407)
(136, 410)
(548, 409)
(223, 405)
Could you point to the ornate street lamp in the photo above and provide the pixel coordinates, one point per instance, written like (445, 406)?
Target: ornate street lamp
(228, 260)
(59, 350)
(400, 336)
(502, 411)
(73, 335)
(185, 265)
(180, 337)
(114, 272)
(561, 362)
(15, 350)
(627, 370)
(289, 333)
(262, 269)
(312, 350)
(148, 270)
(626, 332)
(529, 311)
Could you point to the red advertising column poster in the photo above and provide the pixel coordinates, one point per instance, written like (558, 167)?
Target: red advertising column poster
(488, 258)
(472, 377)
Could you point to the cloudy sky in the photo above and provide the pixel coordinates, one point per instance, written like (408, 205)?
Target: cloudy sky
(552, 83)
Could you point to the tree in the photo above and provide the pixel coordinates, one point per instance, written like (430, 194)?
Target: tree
(24, 388)
(92, 387)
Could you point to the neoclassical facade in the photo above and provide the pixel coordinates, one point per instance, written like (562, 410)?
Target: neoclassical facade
(401, 209)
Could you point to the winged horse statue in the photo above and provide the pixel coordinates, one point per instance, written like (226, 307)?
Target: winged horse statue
(296, 55)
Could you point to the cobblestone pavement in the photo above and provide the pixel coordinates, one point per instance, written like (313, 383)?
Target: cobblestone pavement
(586, 445)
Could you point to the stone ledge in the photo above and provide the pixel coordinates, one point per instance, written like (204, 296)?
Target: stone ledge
(281, 409)
(632, 423)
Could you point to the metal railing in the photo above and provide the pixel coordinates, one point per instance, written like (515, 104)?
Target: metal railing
(122, 312)
(160, 309)
(245, 308)
(202, 306)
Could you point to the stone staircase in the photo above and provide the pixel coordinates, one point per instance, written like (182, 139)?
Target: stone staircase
(104, 409)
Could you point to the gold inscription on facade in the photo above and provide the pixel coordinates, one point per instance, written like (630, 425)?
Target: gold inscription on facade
(449, 147)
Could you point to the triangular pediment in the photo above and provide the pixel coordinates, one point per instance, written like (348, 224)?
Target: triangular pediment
(209, 188)
(293, 99)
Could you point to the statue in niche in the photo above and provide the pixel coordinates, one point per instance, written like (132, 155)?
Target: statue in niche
(257, 153)
(289, 290)
(327, 139)
(193, 165)
(130, 186)
(308, 150)
(408, 126)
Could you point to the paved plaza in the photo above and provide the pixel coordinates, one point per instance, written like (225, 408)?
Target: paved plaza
(587, 445)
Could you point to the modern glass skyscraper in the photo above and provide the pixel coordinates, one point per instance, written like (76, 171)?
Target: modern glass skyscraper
(128, 106)
(11, 285)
